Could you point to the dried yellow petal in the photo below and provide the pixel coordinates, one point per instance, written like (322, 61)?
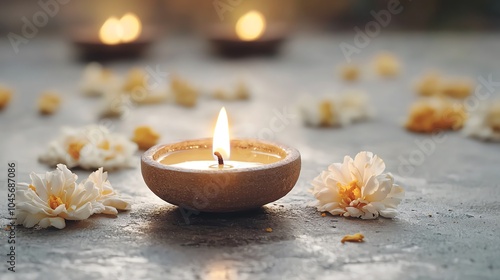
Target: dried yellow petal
(429, 85)
(428, 116)
(387, 65)
(349, 72)
(269, 229)
(327, 113)
(136, 80)
(493, 117)
(357, 237)
(49, 103)
(145, 137)
(457, 88)
(432, 84)
(5, 97)
(242, 91)
(184, 93)
(220, 94)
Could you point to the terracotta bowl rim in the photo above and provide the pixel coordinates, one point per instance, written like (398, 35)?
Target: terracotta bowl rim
(292, 155)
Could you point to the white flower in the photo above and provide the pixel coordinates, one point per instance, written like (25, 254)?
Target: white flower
(484, 122)
(52, 198)
(358, 188)
(335, 110)
(97, 81)
(90, 147)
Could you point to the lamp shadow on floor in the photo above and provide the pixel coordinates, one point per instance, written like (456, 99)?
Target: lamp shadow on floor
(175, 225)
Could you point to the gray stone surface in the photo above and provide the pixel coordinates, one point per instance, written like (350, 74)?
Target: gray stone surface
(449, 221)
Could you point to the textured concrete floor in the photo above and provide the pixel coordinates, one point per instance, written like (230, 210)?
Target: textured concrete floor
(449, 221)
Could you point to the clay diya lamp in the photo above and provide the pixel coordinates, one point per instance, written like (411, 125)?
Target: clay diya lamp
(251, 34)
(198, 175)
(123, 37)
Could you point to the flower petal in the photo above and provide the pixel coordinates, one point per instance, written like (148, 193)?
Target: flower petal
(31, 220)
(40, 186)
(354, 212)
(395, 197)
(56, 222)
(328, 207)
(81, 213)
(366, 164)
(337, 211)
(108, 210)
(385, 183)
(388, 213)
(117, 202)
(341, 172)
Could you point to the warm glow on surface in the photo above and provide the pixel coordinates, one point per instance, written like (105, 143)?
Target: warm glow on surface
(123, 30)
(221, 135)
(251, 26)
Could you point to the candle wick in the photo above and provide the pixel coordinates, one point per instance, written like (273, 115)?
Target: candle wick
(219, 158)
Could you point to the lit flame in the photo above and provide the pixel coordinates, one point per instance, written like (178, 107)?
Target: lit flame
(111, 31)
(221, 135)
(131, 26)
(250, 26)
(123, 30)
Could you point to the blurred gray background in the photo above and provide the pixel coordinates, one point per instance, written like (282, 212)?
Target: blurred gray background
(181, 15)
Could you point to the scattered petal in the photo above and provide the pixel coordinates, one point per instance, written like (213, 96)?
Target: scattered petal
(49, 103)
(435, 114)
(145, 137)
(387, 65)
(434, 84)
(5, 96)
(349, 72)
(184, 93)
(357, 237)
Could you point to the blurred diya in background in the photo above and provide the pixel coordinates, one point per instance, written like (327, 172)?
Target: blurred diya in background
(252, 33)
(116, 38)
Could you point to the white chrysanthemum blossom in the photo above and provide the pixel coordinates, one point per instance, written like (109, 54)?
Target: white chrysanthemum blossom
(54, 197)
(335, 110)
(97, 81)
(90, 147)
(357, 188)
(484, 122)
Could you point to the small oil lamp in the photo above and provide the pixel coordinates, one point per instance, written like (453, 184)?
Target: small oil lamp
(116, 38)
